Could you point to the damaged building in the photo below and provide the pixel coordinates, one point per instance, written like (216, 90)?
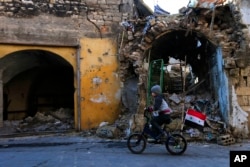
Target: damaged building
(60, 56)
(95, 61)
(200, 57)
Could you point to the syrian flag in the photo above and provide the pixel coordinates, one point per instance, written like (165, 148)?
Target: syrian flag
(195, 119)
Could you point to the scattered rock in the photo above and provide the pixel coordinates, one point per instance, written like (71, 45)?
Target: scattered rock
(106, 131)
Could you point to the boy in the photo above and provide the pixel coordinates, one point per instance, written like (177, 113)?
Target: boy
(160, 111)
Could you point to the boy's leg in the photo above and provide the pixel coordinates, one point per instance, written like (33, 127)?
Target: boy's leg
(155, 124)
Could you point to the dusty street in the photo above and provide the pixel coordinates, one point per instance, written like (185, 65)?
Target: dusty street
(69, 151)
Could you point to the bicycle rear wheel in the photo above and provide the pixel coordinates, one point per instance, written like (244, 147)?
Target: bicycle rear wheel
(176, 144)
(136, 143)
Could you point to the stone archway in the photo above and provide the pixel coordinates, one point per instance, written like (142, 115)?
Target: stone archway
(222, 30)
(38, 88)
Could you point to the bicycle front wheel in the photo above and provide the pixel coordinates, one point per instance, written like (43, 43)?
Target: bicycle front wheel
(176, 144)
(136, 143)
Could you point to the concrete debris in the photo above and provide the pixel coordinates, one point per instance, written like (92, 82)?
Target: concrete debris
(193, 132)
(175, 98)
(108, 131)
(128, 26)
(225, 140)
(61, 119)
(103, 124)
(175, 125)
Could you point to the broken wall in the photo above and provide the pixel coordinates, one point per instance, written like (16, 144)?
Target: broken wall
(222, 26)
(220, 85)
(243, 92)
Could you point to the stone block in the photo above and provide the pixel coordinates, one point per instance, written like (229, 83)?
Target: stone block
(248, 81)
(2, 8)
(245, 71)
(241, 62)
(243, 100)
(139, 119)
(175, 125)
(114, 2)
(175, 98)
(244, 91)
(102, 2)
(225, 140)
(108, 132)
(91, 2)
(229, 63)
(247, 109)
(234, 72)
(242, 82)
(118, 19)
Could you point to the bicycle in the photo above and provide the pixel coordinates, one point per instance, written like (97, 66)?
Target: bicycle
(175, 143)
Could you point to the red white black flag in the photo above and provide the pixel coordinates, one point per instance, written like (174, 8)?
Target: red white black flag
(195, 119)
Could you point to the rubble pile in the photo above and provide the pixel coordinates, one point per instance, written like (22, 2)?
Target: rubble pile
(214, 125)
(59, 120)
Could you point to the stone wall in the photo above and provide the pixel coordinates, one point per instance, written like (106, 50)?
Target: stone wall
(77, 24)
(60, 22)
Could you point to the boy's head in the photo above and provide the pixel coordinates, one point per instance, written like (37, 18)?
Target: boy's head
(156, 90)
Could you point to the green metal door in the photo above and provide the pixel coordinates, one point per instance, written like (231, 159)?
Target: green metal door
(155, 77)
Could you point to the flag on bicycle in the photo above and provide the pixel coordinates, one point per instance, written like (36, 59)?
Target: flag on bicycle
(195, 119)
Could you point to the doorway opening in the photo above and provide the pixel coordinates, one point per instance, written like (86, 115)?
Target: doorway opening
(38, 91)
(183, 60)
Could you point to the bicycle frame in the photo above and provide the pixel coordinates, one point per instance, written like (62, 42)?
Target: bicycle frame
(148, 131)
(174, 143)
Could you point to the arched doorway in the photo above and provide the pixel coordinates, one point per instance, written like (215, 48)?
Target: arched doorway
(38, 85)
(178, 49)
(190, 65)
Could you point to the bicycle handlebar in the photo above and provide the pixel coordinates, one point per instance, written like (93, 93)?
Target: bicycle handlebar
(147, 113)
